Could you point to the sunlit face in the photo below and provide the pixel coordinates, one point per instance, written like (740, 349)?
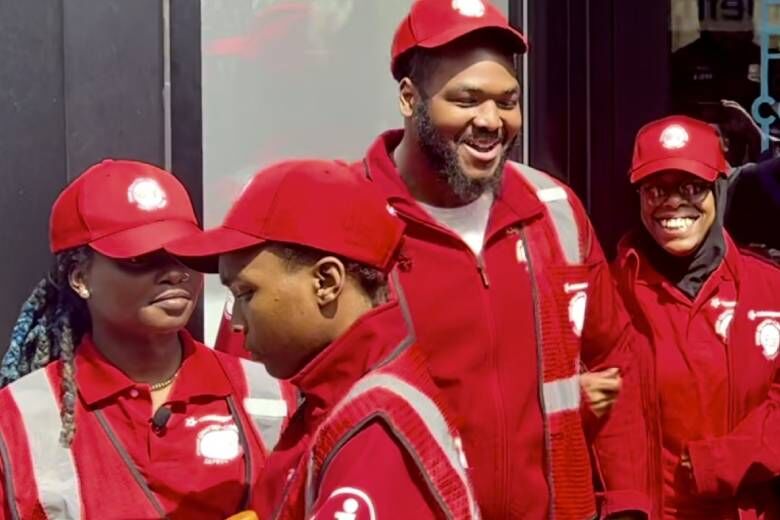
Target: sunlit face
(678, 210)
(276, 307)
(468, 116)
(151, 294)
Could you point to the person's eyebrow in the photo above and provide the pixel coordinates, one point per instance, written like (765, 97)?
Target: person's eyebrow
(474, 90)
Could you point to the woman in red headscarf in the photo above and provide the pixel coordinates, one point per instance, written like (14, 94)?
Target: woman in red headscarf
(712, 314)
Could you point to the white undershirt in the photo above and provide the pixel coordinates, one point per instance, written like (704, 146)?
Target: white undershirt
(469, 222)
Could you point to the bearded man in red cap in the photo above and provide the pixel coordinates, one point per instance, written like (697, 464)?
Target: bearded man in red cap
(507, 285)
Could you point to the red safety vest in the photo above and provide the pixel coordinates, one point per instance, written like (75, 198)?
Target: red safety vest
(401, 394)
(560, 300)
(43, 480)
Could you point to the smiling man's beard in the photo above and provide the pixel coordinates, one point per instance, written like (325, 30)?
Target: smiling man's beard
(445, 160)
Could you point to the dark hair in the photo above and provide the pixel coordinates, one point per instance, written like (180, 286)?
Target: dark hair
(51, 324)
(418, 64)
(371, 280)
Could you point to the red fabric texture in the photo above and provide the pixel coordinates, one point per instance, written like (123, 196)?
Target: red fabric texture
(188, 478)
(356, 441)
(716, 380)
(475, 318)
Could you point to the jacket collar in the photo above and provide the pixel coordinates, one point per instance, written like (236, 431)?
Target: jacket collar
(515, 201)
(372, 339)
(98, 379)
(639, 270)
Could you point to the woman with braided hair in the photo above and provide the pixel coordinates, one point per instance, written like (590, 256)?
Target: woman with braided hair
(110, 408)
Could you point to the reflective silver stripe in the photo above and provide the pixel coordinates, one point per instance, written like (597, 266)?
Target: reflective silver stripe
(53, 466)
(554, 196)
(265, 403)
(428, 412)
(562, 395)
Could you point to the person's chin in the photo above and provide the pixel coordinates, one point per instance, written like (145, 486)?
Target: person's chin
(163, 322)
(680, 247)
(678, 242)
(476, 171)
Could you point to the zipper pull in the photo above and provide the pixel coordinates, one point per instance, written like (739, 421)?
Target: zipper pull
(483, 273)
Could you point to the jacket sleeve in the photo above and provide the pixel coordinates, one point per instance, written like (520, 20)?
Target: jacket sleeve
(372, 476)
(609, 340)
(749, 454)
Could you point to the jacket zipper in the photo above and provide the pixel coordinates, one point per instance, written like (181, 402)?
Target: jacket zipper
(540, 367)
(729, 371)
(479, 260)
(500, 412)
(482, 271)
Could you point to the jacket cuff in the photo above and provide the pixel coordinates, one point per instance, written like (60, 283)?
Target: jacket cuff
(624, 501)
(704, 461)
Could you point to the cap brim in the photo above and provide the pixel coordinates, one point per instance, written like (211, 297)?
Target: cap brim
(699, 169)
(201, 251)
(515, 38)
(145, 239)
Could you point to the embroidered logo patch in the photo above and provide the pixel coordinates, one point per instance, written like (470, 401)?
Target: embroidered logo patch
(219, 444)
(470, 8)
(347, 503)
(578, 305)
(768, 338)
(674, 137)
(147, 194)
(723, 323)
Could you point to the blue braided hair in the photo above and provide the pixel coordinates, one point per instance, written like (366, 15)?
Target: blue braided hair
(51, 323)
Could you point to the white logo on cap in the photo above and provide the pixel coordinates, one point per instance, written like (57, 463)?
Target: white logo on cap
(470, 8)
(674, 137)
(147, 194)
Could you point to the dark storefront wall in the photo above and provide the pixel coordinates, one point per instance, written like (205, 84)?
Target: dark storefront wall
(80, 81)
(598, 71)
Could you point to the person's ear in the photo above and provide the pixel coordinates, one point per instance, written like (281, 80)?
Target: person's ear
(408, 96)
(78, 281)
(329, 278)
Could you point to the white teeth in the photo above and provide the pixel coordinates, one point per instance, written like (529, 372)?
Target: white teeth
(677, 224)
(482, 147)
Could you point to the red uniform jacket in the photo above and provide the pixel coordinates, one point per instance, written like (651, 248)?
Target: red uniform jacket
(715, 365)
(353, 449)
(483, 322)
(204, 462)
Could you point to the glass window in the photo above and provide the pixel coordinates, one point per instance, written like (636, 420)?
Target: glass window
(290, 78)
(724, 50)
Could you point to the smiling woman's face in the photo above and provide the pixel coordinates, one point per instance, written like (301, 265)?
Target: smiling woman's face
(678, 210)
(152, 294)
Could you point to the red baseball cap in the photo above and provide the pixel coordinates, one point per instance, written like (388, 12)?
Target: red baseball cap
(324, 205)
(678, 143)
(121, 209)
(433, 23)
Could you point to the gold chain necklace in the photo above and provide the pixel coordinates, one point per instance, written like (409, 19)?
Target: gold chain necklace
(164, 384)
